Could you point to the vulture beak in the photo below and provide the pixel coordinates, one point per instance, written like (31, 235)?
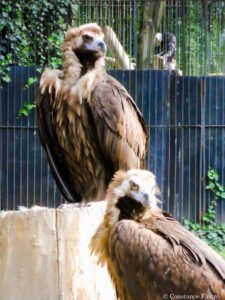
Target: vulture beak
(146, 199)
(142, 197)
(97, 45)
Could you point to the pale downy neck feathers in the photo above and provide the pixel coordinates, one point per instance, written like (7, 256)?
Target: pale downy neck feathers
(72, 66)
(82, 85)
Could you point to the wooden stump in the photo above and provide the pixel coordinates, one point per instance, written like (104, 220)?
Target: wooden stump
(44, 255)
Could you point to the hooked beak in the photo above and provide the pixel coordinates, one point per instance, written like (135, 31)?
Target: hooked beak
(97, 45)
(146, 200)
(143, 198)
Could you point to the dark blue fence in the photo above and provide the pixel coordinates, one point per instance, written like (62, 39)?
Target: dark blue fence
(186, 119)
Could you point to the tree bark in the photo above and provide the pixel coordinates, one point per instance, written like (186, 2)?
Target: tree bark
(151, 17)
(45, 255)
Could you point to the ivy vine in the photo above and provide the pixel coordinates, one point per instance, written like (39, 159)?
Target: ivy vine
(32, 32)
(209, 231)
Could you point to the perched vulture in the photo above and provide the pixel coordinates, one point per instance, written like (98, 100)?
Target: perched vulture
(89, 125)
(149, 255)
(165, 49)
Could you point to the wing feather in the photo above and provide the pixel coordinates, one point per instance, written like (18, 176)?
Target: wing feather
(121, 129)
(151, 262)
(50, 143)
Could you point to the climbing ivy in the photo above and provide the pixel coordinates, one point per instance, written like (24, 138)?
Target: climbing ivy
(208, 230)
(26, 109)
(32, 31)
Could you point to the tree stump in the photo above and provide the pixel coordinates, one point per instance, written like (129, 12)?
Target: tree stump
(44, 255)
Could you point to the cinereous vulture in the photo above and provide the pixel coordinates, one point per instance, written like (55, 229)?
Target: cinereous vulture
(149, 255)
(89, 125)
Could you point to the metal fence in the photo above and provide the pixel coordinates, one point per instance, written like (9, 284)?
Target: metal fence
(32, 34)
(199, 26)
(186, 115)
(186, 119)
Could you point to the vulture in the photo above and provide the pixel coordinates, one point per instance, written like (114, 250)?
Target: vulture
(150, 255)
(89, 125)
(165, 48)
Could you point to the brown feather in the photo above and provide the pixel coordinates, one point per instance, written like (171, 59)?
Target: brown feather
(149, 254)
(158, 264)
(94, 125)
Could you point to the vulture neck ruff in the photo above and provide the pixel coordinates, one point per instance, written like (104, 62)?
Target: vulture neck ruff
(83, 77)
(121, 205)
(130, 209)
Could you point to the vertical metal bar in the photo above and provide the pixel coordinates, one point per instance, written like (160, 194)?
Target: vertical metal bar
(204, 36)
(182, 151)
(135, 28)
(209, 54)
(1, 143)
(223, 144)
(169, 145)
(28, 154)
(7, 152)
(202, 149)
(184, 21)
(175, 153)
(198, 161)
(155, 117)
(14, 144)
(189, 151)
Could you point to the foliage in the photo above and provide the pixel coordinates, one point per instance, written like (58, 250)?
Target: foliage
(32, 31)
(209, 231)
(4, 67)
(200, 37)
(214, 186)
(30, 82)
(26, 109)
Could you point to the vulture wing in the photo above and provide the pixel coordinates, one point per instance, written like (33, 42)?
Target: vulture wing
(163, 258)
(50, 143)
(122, 133)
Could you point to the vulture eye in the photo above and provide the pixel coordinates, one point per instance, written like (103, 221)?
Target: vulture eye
(134, 186)
(87, 38)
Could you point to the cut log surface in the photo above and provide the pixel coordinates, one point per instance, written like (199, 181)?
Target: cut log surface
(44, 255)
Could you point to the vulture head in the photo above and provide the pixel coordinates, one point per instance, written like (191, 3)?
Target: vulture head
(157, 39)
(130, 193)
(150, 255)
(87, 43)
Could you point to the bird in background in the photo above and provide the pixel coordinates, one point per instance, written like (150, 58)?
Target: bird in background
(165, 44)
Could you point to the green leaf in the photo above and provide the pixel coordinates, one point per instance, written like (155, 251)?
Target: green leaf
(205, 218)
(213, 175)
(23, 112)
(6, 79)
(31, 80)
(30, 106)
(26, 109)
(210, 186)
(219, 186)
